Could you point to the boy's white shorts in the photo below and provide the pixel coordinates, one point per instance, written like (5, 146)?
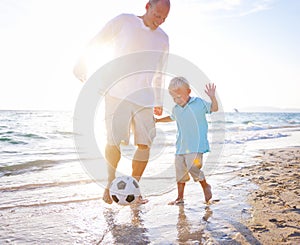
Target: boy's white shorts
(186, 164)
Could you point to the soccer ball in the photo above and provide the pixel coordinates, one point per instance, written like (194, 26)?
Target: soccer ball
(124, 190)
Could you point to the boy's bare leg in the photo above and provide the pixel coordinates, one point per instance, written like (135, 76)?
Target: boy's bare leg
(180, 189)
(206, 190)
(112, 155)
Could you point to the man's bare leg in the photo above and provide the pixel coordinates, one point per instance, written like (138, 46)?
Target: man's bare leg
(139, 163)
(112, 155)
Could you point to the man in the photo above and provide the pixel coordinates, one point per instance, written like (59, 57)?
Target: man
(130, 102)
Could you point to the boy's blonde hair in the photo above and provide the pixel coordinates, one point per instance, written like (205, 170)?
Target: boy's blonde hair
(178, 82)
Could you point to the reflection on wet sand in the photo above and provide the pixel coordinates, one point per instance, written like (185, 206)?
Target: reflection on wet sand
(132, 232)
(189, 230)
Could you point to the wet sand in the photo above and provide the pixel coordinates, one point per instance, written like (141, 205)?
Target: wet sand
(272, 215)
(275, 212)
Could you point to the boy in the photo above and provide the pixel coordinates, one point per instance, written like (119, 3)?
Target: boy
(189, 114)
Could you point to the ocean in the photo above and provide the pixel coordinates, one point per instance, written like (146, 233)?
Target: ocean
(48, 196)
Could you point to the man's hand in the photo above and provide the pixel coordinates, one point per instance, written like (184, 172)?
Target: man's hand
(80, 71)
(158, 110)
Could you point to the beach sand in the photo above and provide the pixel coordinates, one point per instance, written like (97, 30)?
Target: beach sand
(275, 212)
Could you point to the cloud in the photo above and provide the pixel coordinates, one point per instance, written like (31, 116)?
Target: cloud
(228, 8)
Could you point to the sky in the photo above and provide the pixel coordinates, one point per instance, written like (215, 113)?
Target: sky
(248, 48)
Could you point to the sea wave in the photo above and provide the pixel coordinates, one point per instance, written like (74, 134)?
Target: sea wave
(31, 136)
(253, 127)
(48, 203)
(21, 168)
(12, 141)
(244, 139)
(44, 185)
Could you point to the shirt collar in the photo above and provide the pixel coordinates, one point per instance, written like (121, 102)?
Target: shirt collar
(191, 100)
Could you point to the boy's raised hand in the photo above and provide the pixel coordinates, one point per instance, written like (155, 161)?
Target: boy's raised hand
(210, 90)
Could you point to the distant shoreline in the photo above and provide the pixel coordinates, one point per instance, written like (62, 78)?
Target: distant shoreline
(239, 110)
(267, 109)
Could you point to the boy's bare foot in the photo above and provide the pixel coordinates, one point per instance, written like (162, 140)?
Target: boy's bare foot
(207, 193)
(208, 213)
(176, 202)
(106, 197)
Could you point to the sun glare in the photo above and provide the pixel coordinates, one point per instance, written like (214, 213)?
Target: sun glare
(97, 57)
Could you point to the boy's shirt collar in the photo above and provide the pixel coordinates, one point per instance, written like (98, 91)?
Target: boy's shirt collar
(192, 99)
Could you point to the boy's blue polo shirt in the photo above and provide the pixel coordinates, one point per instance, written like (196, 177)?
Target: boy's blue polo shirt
(192, 126)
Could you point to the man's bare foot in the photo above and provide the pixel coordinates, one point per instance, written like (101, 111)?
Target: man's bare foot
(207, 193)
(106, 197)
(178, 201)
(140, 200)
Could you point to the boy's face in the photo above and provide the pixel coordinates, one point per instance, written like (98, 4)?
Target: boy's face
(180, 95)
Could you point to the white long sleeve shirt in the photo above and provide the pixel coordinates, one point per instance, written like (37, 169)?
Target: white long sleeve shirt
(128, 34)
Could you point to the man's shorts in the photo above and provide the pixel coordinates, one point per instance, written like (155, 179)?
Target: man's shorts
(122, 116)
(186, 164)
